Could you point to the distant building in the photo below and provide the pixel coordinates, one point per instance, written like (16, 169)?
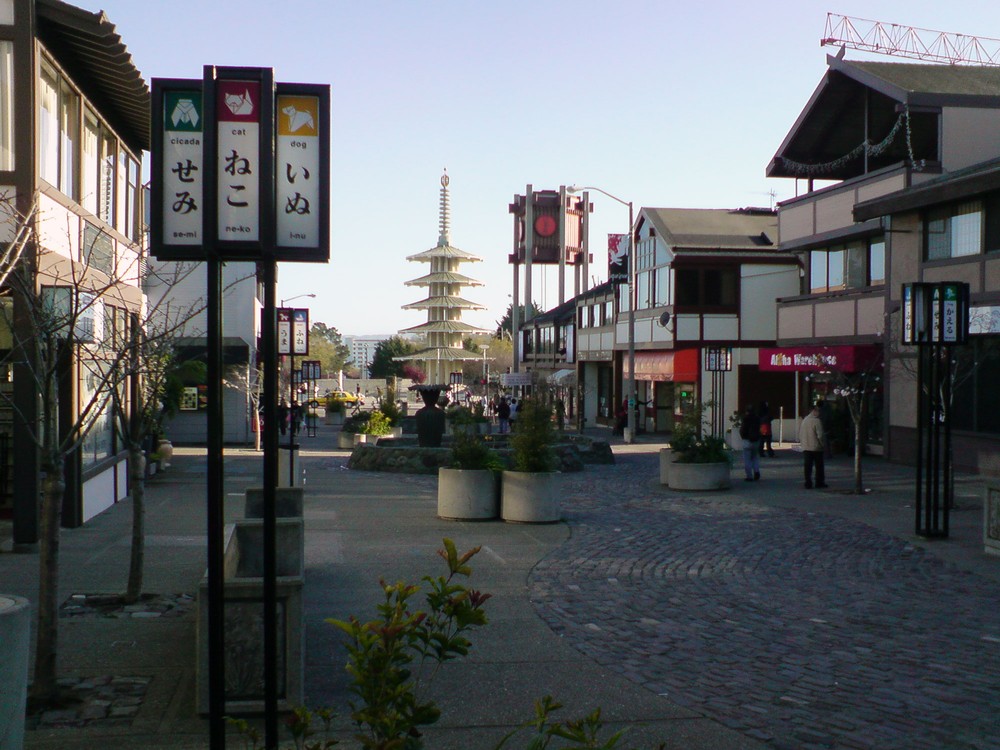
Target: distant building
(363, 350)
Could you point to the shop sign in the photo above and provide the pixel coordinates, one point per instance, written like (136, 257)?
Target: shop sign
(817, 359)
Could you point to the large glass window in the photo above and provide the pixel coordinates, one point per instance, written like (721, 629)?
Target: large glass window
(106, 179)
(48, 126)
(954, 231)
(6, 106)
(976, 399)
(69, 137)
(90, 168)
(706, 287)
(853, 266)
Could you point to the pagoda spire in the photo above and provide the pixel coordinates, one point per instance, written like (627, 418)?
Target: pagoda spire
(444, 239)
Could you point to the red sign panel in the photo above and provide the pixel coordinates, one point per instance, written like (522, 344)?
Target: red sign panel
(818, 358)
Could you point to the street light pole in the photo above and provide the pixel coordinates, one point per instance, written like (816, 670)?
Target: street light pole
(486, 372)
(630, 389)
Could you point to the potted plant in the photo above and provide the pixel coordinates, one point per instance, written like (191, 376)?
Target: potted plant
(529, 490)
(335, 411)
(354, 426)
(467, 488)
(480, 418)
(390, 409)
(701, 461)
(460, 419)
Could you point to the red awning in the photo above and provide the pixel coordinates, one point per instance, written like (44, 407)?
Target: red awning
(672, 367)
(820, 358)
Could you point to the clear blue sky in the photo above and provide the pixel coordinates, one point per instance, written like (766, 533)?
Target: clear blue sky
(661, 102)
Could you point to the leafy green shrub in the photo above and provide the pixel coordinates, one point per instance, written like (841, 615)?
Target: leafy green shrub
(377, 424)
(459, 415)
(470, 451)
(691, 443)
(391, 410)
(531, 445)
(387, 657)
(355, 423)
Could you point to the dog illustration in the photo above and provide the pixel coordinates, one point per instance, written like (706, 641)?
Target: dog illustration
(298, 119)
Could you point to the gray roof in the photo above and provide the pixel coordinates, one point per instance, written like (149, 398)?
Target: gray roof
(715, 228)
(833, 122)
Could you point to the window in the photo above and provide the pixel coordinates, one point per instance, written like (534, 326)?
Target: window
(661, 287)
(6, 106)
(90, 168)
(106, 179)
(69, 138)
(706, 287)
(48, 126)
(954, 231)
(856, 265)
(98, 249)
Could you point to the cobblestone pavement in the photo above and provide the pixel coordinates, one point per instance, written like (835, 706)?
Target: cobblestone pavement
(798, 628)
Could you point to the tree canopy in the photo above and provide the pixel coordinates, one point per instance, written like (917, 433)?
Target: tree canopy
(506, 322)
(383, 365)
(326, 345)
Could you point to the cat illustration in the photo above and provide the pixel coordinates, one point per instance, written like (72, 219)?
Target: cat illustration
(240, 105)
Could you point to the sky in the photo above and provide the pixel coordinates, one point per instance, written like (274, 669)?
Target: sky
(660, 102)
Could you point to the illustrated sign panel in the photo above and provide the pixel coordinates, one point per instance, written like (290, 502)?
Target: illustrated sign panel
(300, 331)
(216, 163)
(237, 168)
(935, 313)
(618, 258)
(284, 330)
(182, 201)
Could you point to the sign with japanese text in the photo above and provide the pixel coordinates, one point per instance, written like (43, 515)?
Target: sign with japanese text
(284, 330)
(240, 168)
(300, 331)
(935, 313)
(183, 157)
(298, 171)
(237, 168)
(311, 369)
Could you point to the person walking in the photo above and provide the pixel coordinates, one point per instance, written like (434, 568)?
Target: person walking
(503, 415)
(764, 414)
(513, 412)
(812, 438)
(750, 433)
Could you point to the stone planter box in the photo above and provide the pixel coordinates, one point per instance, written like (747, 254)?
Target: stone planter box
(700, 476)
(289, 476)
(244, 595)
(334, 418)
(528, 497)
(345, 440)
(467, 495)
(15, 626)
(667, 459)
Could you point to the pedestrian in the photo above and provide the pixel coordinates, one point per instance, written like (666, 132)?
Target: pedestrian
(560, 414)
(513, 412)
(282, 416)
(812, 438)
(621, 418)
(764, 414)
(750, 433)
(503, 415)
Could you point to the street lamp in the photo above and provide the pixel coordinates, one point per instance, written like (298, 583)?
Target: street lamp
(486, 371)
(297, 296)
(630, 391)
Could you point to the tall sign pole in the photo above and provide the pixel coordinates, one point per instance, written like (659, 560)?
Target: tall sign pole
(240, 171)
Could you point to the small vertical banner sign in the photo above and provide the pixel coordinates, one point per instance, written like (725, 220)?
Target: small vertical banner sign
(183, 160)
(300, 331)
(238, 117)
(618, 258)
(297, 167)
(284, 330)
(935, 313)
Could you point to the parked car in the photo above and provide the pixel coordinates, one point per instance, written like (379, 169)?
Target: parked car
(342, 397)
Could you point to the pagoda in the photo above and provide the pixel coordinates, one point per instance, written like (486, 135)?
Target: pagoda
(444, 304)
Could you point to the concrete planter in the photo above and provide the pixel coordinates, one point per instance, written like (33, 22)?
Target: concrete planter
(667, 459)
(334, 418)
(15, 625)
(528, 497)
(467, 494)
(345, 440)
(700, 476)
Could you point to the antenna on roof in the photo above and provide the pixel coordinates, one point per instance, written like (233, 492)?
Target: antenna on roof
(909, 41)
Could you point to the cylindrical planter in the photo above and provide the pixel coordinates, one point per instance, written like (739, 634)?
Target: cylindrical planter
(467, 494)
(684, 476)
(345, 440)
(667, 459)
(361, 438)
(15, 624)
(397, 432)
(166, 450)
(530, 497)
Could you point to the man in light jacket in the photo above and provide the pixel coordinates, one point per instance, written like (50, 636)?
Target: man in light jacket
(813, 442)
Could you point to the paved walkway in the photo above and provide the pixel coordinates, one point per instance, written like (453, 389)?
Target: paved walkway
(766, 616)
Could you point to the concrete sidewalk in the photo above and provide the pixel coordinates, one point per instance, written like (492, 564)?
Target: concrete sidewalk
(564, 613)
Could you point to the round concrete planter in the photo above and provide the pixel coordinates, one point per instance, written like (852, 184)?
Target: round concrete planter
(667, 459)
(467, 494)
(528, 497)
(15, 624)
(345, 440)
(700, 476)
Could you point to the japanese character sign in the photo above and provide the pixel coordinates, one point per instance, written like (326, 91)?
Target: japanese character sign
(237, 114)
(182, 166)
(297, 171)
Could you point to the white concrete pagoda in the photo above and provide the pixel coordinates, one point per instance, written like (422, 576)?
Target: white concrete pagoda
(444, 328)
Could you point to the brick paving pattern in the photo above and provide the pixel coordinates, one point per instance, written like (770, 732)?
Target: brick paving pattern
(797, 628)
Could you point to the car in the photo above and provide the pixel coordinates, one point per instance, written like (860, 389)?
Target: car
(341, 397)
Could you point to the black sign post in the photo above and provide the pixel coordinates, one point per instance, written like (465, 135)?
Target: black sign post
(935, 318)
(240, 171)
(718, 361)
